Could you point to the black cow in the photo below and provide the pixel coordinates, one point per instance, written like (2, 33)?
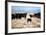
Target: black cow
(19, 15)
(13, 16)
(37, 15)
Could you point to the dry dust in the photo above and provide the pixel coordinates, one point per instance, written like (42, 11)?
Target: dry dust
(22, 23)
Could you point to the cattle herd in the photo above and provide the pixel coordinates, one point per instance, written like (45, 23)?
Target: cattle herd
(17, 16)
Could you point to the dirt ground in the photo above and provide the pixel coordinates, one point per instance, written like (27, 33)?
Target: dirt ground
(22, 23)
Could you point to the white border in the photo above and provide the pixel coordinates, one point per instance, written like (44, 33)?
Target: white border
(26, 29)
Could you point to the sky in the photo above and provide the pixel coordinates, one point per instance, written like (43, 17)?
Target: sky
(25, 9)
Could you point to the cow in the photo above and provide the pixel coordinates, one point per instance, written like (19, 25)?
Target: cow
(31, 15)
(19, 15)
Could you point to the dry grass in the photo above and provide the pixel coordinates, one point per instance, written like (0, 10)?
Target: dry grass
(22, 23)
